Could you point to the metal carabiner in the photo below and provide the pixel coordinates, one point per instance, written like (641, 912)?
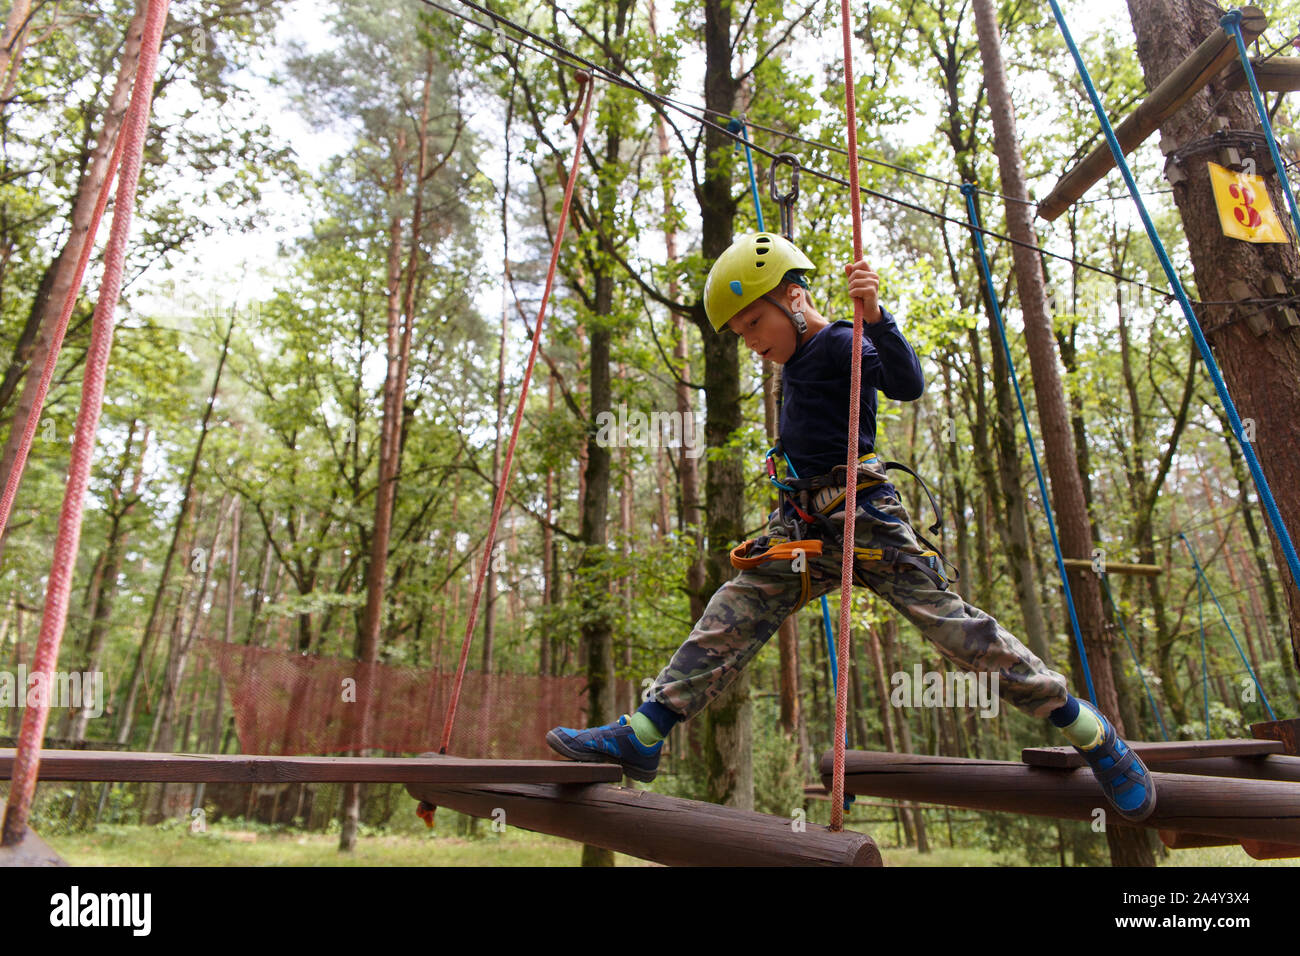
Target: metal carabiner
(785, 202)
(770, 461)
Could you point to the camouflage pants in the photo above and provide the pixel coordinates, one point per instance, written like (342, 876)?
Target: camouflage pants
(748, 609)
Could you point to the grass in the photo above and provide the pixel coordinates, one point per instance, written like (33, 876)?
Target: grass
(236, 844)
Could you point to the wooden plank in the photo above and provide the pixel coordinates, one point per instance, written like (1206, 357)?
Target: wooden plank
(1279, 75)
(1202, 65)
(30, 851)
(1222, 806)
(1157, 752)
(1273, 767)
(249, 768)
(654, 827)
(1115, 567)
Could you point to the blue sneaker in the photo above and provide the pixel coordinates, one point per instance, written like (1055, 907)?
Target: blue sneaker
(613, 743)
(1123, 776)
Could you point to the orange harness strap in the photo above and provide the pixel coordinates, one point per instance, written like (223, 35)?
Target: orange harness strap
(782, 551)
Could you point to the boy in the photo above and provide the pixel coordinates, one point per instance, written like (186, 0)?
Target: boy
(758, 291)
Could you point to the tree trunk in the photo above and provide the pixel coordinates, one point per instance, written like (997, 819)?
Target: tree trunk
(146, 642)
(490, 582)
(691, 520)
(393, 403)
(726, 724)
(13, 41)
(1128, 847)
(544, 665)
(101, 609)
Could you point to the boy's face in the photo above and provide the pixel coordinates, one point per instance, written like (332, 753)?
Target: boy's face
(767, 331)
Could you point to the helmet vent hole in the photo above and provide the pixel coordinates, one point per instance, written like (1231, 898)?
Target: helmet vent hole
(762, 251)
(759, 264)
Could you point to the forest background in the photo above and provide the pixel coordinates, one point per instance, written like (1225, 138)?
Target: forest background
(345, 215)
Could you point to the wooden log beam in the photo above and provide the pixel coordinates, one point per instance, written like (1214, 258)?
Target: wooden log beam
(1281, 75)
(1182, 840)
(1157, 752)
(1114, 567)
(246, 768)
(1222, 806)
(1264, 850)
(1275, 767)
(1256, 849)
(1206, 62)
(653, 827)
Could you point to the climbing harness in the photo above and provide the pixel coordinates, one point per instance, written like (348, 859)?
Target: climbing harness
(814, 500)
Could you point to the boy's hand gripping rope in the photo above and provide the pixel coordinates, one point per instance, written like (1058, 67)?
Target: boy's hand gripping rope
(585, 96)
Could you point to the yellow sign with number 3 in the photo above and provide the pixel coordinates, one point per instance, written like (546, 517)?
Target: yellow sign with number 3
(1245, 211)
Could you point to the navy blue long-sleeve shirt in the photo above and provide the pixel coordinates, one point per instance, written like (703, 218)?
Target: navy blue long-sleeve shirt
(815, 391)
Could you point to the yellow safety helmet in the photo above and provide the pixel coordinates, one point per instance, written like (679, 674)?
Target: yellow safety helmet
(751, 267)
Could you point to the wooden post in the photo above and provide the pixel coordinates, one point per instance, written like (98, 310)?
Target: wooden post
(1206, 62)
(1287, 731)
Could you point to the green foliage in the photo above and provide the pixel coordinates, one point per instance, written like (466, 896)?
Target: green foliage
(295, 436)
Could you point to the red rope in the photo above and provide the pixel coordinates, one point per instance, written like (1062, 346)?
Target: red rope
(584, 81)
(851, 490)
(56, 343)
(27, 758)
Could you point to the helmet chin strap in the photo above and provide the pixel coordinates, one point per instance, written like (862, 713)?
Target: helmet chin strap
(800, 324)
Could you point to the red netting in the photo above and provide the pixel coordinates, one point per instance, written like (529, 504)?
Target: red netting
(290, 704)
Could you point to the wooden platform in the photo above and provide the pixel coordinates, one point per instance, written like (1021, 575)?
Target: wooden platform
(1158, 752)
(245, 768)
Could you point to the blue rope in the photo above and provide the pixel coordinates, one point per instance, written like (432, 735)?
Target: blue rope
(1205, 663)
(830, 642)
(1231, 23)
(1231, 633)
(1212, 366)
(1119, 618)
(968, 190)
(738, 127)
